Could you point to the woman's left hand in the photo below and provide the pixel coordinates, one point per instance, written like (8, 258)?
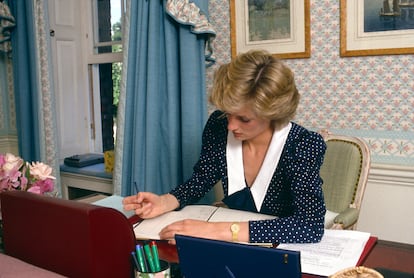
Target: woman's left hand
(195, 228)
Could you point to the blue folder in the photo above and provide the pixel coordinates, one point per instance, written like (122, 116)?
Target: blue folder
(200, 258)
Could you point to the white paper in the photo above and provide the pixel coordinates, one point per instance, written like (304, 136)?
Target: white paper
(150, 228)
(225, 215)
(338, 249)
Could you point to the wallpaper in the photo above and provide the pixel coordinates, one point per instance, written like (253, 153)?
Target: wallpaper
(371, 97)
(7, 107)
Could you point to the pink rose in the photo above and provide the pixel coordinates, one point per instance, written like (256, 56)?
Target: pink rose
(41, 171)
(42, 186)
(12, 163)
(35, 189)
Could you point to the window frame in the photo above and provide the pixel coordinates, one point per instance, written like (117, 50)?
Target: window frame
(93, 61)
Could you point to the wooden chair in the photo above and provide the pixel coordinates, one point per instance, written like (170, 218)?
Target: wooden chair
(345, 174)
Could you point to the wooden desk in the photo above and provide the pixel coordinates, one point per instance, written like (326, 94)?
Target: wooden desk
(385, 254)
(391, 255)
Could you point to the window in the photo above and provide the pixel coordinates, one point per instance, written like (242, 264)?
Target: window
(105, 64)
(108, 17)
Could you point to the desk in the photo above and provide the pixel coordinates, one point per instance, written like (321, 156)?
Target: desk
(391, 255)
(385, 254)
(91, 178)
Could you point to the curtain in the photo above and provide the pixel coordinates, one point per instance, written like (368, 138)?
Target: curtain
(34, 96)
(163, 97)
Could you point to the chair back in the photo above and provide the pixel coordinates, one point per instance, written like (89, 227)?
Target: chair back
(344, 171)
(71, 238)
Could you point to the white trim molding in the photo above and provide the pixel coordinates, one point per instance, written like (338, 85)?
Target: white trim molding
(392, 174)
(387, 208)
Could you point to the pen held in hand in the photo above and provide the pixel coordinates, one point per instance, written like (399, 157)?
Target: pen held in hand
(136, 187)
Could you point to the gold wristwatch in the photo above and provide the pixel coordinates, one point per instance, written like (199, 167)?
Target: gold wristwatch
(235, 228)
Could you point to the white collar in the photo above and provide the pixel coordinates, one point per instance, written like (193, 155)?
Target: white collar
(235, 168)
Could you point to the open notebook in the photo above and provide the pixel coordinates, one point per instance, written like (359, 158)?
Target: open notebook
(213, 258)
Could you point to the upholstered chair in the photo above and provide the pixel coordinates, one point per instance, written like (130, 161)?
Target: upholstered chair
(345, 173)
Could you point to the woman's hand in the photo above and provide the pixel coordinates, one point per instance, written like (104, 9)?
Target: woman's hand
(148, 205)
(203, 229)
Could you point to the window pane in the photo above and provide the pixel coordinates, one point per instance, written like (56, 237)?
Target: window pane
(109, 89)
(108, 27)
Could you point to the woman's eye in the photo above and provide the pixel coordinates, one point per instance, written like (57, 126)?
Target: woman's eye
(244, 120)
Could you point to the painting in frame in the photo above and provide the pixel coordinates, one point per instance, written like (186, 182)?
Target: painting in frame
(281, 27)
(376, 27)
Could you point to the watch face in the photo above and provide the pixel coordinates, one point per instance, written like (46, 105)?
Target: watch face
(235, 227)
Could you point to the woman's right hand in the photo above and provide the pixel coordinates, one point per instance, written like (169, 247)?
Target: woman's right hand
(148, 205)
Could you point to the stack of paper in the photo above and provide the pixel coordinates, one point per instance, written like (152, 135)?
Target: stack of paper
(338, 249)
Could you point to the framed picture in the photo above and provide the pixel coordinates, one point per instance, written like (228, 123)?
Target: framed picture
(281, 27)
(373, 27)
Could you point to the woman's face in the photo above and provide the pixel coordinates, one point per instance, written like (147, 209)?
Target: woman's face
(245, 125)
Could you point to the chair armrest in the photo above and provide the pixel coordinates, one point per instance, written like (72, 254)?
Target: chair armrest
(347, 217)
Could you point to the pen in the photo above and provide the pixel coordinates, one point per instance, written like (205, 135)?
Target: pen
(141, 259)
(134, 259)
(136, 187)
(150, 258)
(154, 249)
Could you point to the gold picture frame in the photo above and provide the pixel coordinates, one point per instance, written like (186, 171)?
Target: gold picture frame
(356, 42)
(249, 28)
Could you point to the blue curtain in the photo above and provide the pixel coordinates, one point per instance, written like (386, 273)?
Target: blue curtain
(165, 105)
(25, 79)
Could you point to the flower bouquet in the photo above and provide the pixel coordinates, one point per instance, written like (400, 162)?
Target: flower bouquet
(16, 174)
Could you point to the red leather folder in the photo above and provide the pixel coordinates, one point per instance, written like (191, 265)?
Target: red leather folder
(368, 247)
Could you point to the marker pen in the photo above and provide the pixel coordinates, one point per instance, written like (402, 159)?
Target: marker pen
(154, 249)
(150, 258)
(141, 259)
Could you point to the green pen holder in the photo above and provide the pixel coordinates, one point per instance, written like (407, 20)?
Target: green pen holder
(163, 273)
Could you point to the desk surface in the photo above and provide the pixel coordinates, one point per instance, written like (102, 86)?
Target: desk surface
(385, 254)
(391, 255)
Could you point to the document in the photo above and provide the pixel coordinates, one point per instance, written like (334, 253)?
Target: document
(150, 228)
(338, 249)
(115, 202)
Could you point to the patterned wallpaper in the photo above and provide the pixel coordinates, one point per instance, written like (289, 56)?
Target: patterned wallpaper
(369, 97)
(7, 107)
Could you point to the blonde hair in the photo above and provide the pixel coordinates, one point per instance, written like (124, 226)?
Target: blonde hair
(258, 79)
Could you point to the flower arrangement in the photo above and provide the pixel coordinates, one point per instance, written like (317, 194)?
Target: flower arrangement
(16, 174)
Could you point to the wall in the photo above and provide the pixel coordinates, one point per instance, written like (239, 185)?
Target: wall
(387, 209)
(369, 97)
(8, 132)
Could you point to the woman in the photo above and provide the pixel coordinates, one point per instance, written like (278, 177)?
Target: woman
(266, 163)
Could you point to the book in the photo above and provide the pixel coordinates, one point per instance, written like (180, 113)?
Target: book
(338, 249)
(82, 160)
(150, 228)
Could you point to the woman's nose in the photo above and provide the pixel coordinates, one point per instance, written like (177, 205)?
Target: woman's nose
(232, 123)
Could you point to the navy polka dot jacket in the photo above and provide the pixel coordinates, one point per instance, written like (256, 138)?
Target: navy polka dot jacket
(294, 195)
